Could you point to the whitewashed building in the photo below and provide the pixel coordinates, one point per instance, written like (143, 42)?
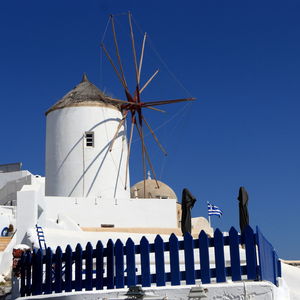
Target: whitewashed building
(84, 198)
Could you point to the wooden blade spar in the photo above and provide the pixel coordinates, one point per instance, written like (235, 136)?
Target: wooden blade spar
(134, 105)
(129, 148)
(149, 80)
(119, 101)
(149, 104)
(117, 131)
(155, 137)
(133, 50)
(117, 50)
(148, 158)
(157, 109)
(143, 157)
(163, 102)
(114, 67)
(141, 58)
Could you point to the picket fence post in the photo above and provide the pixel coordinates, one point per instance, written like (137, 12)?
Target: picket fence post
(130, 263)
(189, 258)
(68, 269)
(234, 255)
(174, 260)
(33, 272)
(110, 264)
(88, 267)
(204, 257)
(145, 262)
(219, 256)
(49, 273)
(119, 254)
(99, 266)
(58, 271)
(159, 261)
(275, 274)
(249, 240)
(78, 268)
(23, 274)
(37, 272)
(28, 263)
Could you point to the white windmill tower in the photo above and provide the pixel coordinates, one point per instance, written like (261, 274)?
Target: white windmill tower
(86, 148)
(79, 131)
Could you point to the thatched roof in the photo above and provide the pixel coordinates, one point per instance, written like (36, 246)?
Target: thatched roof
(84, 94)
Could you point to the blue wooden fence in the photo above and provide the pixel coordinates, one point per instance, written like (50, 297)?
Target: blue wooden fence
(115, 266)
(268, 258)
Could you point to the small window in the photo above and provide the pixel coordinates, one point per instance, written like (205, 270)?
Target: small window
(107, 225)
(89, 139)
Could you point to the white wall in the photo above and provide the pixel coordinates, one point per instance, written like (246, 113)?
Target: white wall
(75, 170)
(10, 183)
(233, 291)
(8, 193)
(30, 206)
(92, 212)
(9, 176)
(35, 208)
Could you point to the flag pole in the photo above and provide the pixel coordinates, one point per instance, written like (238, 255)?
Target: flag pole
(209, 220)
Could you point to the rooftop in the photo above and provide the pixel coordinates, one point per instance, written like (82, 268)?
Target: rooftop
(84, 94)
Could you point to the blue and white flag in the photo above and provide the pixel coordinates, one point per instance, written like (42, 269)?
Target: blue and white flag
(214, 210)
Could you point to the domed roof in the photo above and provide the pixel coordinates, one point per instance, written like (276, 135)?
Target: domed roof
(152, 191)
(84, 94)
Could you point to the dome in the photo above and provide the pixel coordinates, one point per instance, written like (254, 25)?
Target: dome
(152, 191)
(84, 94)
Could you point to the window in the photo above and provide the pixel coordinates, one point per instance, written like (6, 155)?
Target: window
(89, 139)
(107, 225)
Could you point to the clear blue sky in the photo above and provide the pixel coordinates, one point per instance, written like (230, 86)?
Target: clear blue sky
(241, 59)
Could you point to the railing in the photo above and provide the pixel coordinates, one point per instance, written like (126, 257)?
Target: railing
(115, 266)
(268, 259)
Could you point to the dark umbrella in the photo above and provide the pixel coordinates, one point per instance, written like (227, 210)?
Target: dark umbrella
(187, 203)
(243, 208)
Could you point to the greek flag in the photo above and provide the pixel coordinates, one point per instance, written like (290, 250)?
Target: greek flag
(214, 210)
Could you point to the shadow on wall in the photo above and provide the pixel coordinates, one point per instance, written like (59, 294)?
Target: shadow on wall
(105, 148)
(76, 144)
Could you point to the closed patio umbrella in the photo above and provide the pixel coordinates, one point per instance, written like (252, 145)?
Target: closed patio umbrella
(243, 208)
(187, 203)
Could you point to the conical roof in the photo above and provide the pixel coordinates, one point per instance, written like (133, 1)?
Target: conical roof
(84, 94)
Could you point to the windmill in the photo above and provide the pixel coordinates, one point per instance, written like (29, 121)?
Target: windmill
(132, 107)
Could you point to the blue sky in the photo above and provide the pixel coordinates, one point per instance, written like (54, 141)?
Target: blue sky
(240, 59)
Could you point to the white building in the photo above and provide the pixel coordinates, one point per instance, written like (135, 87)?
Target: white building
(79, 163)
(84, 189)
(84, 198)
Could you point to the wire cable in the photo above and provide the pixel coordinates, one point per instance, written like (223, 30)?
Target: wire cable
(151, 44)
(185, 110)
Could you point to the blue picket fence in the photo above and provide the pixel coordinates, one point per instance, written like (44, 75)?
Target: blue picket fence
(268, 258)
(115, 266)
